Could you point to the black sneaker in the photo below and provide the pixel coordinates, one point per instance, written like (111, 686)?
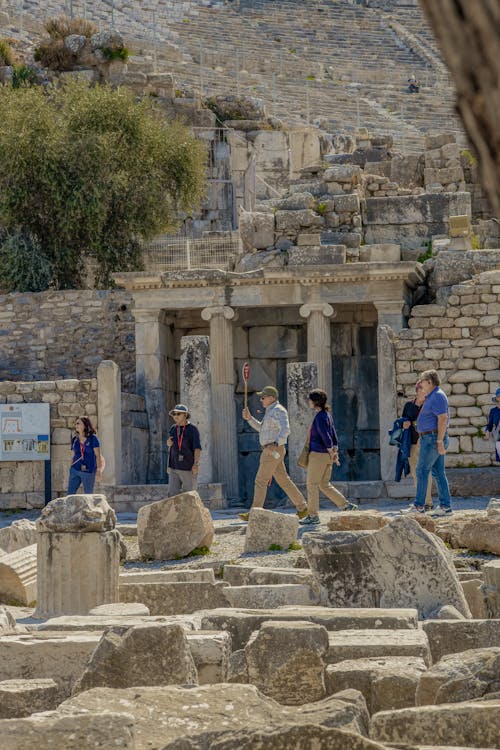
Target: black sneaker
(351, 506)
(310, 521)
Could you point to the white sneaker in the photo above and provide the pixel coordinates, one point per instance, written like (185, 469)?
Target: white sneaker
(442, 512)
(412, 509)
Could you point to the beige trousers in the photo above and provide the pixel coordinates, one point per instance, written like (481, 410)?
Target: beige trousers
(270, 467)
(319, 471)
(413, 461)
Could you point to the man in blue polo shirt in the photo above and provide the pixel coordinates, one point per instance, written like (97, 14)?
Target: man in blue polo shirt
(432, 426)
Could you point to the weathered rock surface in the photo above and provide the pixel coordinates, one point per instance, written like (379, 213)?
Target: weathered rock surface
(293, 738)
(7, 622)
(167, 576)
(77, 514)
(103, 622)
(476, 598)
(269, 597)
(53, 731)
(472, 724)
(401, 565)
(243, 575)
(493, 509)
(20, 697)
(266, 528)
(387, 682)
(478, 531)
(174, 527)
(19, 534)
(18, 576)
(455, 636)
(211, 651)
(121, 609)
(141, 655)
(461, 677)
(237, 670)
(361, 644)
(166, 714)
(176, 598)
(285, 661)
(358, 521)
(491, 588)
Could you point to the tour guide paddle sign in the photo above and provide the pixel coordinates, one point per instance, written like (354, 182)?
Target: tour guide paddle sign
(246, 374)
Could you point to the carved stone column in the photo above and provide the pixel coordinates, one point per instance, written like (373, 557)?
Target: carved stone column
(151, 375)
(224, 435)
(319, 346)
(301, 378)
(195, 392)
(390, 320)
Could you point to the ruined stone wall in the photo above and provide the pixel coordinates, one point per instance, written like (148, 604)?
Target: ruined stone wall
(65, 334)
(461, 340)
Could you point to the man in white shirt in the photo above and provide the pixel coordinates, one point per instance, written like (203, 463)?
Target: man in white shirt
(273, 433)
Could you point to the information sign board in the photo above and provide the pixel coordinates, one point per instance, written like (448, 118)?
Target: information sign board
(24, 432)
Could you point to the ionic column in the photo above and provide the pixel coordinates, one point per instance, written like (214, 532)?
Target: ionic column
(151, 369)
(319, 345)
(390, 320)
(224, 435)
(195, 392)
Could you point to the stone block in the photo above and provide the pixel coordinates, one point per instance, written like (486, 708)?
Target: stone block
(21, 697)
(320, 255)
(174, 527)
(77, 514)
(466, 676)
(256, 230)
(293, 221)
(211, 652)
(240, 575)
(454, 636)
(295, 202)
(167, 576)
(307, 240)
(437, 141)
(343, 173)
(266, 528)
(7, 622)
(363, 644)
(75, 732)
(175, 598)
(381, 253)
(279, 342)
(357, 521)
(385, 578)
(347, 203)
(19, 534)
(156, 654)
(386, 682)
(270, 596)
(285, 661)
(120, 609)
(18, 576)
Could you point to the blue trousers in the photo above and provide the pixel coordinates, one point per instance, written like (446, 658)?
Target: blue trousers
(76, 478)
(430, 461)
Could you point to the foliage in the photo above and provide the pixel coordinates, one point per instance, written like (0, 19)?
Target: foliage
(294, 546)
(115, 53)
(321, 208)
(55, 55)
(197, 551)
(63, 26)
(427, 255)
(474, 241)
(23, 75)
(23, 265)
(275, 547)
(92, 172)
(7, 56)
(470, 158)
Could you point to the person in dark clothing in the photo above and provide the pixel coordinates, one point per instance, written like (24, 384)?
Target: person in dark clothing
(86, 460)
(323, 453)
(493, 426)
(411, 410)
(184, 454)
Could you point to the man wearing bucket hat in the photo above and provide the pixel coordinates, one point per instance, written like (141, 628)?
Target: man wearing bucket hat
(273, 433)
(184, 454)
(493, 426)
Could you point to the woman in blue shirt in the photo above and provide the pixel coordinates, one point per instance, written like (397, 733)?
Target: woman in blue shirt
(323, 453)
(493, 426)
(87, 462)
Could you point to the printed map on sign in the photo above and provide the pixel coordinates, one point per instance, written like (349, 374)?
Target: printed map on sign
(24, 432)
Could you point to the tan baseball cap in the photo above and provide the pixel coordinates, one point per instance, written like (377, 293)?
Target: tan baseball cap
(269, 390)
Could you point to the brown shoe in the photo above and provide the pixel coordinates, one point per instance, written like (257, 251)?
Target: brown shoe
(302, 513)
(244, 516)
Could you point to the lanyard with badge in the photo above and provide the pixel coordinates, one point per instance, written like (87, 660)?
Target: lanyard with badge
(180, 438)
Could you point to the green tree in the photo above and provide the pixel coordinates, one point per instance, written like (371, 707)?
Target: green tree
(90, 172)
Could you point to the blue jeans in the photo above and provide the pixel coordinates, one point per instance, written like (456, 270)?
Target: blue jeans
(76, 478)
(430, 460)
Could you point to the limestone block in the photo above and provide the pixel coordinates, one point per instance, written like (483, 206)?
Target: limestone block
(25, 697)
(493, 509)
(381, 253)
(475, 724)
(75, 732)
(461, 677)
(238, 668)
(294, 221)
(239, 575)
(167, 576)
(476, 598)
(296, 738)
(266, 528)
(92, 623)
(356, 521)
(120, 609)
(308, 239)
(211, 652)
(241, 623)
(436, 141)
(269, 597)
(385, 571)
(455, 636)
(320, 255)
(256, 230)
(60, 656)
(174, 527)
(364, 644)
(175, 598)
(279, 342)
(7, 622)
(285, 661)
(155, 654)
(295, 202)
(77, 514)
(165, 714)
(474, 531)
(343, 173)
(19, 534)
(93, 559)
(18, 576)
(387, 682)
(491, 588)
(347, 203)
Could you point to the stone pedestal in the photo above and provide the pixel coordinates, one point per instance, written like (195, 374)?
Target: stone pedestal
(151, 376)
(195, 392)
(109, 410)
(390, 320)
(224, 435)
(76, 572)
(301, 378)
(319, 347)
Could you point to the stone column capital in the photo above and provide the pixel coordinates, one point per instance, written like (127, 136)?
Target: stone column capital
(389, 307)
(150, 316)
(323, 307)
(210, 312)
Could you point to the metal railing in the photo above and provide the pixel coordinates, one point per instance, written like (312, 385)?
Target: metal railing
(177, 253)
